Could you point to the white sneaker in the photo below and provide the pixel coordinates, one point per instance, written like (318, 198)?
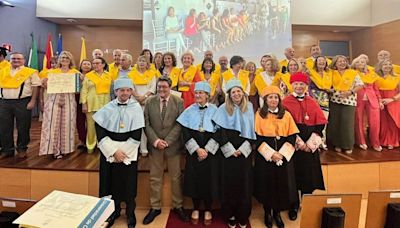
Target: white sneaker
(363, 146)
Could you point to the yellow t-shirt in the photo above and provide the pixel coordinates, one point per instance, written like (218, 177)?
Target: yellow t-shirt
(102, 82)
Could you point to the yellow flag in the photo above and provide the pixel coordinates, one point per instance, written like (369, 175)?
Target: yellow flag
(83, 50)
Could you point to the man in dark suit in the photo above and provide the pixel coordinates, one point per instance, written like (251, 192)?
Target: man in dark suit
(165, 142)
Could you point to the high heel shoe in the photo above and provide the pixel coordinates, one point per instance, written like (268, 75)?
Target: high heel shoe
(278, 220)
(268, 220)
(195, 217)
(207, 218)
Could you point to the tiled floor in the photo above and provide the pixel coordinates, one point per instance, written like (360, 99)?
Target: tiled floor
(256, 219)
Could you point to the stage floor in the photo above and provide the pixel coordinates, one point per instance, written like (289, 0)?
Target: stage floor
(81, 161)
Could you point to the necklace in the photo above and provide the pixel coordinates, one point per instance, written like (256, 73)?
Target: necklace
(121, 114)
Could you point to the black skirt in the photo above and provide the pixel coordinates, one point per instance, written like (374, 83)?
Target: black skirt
(275, 186)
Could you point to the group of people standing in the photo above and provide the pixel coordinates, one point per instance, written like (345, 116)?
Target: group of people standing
(223, 117)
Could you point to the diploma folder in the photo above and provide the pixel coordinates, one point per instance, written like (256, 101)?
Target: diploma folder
(63, 83)
(66, 210)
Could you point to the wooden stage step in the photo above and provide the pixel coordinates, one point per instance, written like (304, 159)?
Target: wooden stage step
(36, 176)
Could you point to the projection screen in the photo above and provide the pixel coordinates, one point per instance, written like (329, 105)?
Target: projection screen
(250, 28)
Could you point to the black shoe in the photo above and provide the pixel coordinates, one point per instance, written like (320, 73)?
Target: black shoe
(113, 217)
(82, 148)
(132, 222)
(181, 214)
(153, 213)
(232, 222)
(268, 220)
(278, 219)
(292, 214)
(6, 156)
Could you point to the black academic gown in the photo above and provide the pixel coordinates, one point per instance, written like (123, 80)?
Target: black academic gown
(236, 178)
(275, 186)
(118, 179)
(307, 165)
(201, 179)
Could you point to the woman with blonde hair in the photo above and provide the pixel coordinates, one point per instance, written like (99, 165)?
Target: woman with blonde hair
(144, 81)
(95, 94)
(235, 119)
(59, 116)
(389, 88)
(367, 103)
(346, 83)
(254, 98)
(270, 76)
(292, 67)
(188, 76)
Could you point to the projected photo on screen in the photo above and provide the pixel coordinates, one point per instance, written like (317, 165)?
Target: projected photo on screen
(250, 28)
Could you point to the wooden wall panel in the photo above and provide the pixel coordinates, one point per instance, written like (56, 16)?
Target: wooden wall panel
(371, 40)
(15, 183)
(389, 173)
(44, 181)
(353, 178)
(93, 188)
(304, 39)
(102, 37)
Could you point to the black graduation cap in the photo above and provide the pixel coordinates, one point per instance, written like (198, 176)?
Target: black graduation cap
(3, 51)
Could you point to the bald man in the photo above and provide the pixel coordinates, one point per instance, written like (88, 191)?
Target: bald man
(97, 53)
(209, 54)
(384, 55)
(289, 54)
(113, 67)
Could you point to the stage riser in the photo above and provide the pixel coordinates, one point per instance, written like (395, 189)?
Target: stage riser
(35, 184)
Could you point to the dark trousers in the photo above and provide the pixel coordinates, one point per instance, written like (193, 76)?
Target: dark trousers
(130, 207)
(9, 110)
(80, 121)
(197, 203)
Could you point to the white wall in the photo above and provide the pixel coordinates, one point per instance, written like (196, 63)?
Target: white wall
(304, 12)
(331, 12)
(91, 9)
(385, 11)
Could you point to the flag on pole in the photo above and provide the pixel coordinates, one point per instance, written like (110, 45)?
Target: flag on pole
(49, 53)
(83, 50)
(59, 44)
(33, 55)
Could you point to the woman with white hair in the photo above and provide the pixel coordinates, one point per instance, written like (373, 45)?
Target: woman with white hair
(367, 103)
(144, 80)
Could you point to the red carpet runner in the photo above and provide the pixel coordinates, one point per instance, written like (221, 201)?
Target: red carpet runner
(217, 222)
